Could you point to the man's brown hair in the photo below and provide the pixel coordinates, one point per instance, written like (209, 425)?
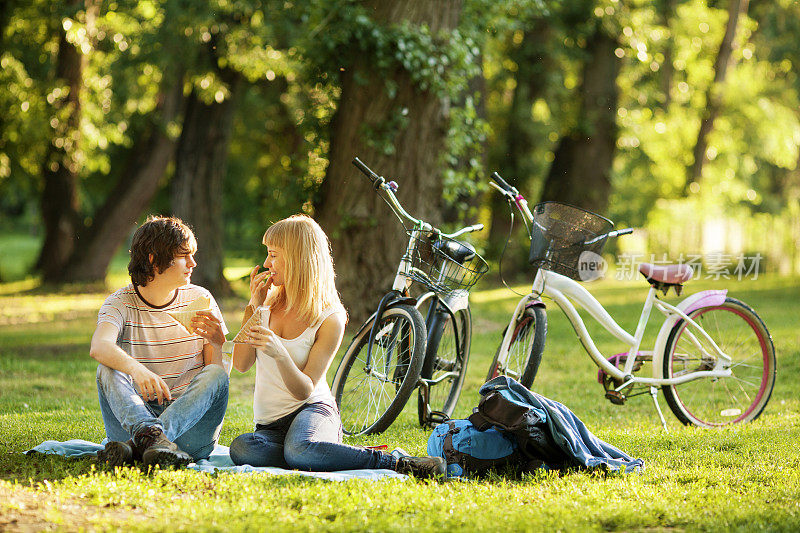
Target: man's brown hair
(162, 237)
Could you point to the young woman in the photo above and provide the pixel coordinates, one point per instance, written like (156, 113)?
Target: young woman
(302, 324)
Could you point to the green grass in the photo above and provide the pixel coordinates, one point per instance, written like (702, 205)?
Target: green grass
(739, 478)
(19, 254)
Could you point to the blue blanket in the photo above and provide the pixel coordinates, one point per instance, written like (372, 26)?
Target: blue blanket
(566, 429)
(220, 460)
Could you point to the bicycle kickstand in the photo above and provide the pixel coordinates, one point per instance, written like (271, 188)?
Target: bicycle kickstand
(654, 395)
(432, 418)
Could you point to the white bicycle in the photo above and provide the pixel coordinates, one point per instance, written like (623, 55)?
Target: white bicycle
(713, 357)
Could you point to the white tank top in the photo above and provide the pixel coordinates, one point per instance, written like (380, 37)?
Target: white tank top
(272, 400)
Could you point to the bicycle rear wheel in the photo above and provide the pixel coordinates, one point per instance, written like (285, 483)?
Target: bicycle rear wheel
(526, 348)
(714, 402)
(446, 359)
(370, 396)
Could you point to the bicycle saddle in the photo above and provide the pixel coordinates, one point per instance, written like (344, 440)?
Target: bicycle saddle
(668, 274)
(457, 251)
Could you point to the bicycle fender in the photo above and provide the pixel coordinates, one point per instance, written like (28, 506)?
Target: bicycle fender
(457, 300)
(694, 302)
(407, 300)
(454, 302)
(537, 302)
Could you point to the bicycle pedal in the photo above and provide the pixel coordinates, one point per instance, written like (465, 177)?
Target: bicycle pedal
(445, 365)
(615, 397)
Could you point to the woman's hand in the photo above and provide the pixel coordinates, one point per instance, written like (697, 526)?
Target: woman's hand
(260, 282)
(209, 327)
(264, 339)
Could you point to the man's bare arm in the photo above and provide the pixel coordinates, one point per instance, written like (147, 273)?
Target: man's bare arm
(105, 351)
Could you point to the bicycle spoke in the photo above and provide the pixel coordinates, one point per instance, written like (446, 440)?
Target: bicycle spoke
(722, 400)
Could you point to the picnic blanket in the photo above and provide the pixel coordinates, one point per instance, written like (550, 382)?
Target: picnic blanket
(220, 460)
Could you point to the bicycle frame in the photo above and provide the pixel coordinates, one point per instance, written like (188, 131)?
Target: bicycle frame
(564, 291)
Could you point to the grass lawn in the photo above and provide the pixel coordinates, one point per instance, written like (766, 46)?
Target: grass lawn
(740, 478)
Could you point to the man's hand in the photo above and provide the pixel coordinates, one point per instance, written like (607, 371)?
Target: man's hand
(151, 386)
(260, 282)
(209, 327)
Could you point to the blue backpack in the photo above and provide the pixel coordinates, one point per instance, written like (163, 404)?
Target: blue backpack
(514, 426)
(470, 451)
(499, 433)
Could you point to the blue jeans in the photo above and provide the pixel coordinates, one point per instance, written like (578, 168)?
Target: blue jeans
(308, 439)
(192, 421)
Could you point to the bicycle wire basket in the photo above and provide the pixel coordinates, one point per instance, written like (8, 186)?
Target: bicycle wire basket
(561, 233)
(444, 265)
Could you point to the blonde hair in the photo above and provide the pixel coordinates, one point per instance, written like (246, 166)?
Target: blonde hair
(309, 280)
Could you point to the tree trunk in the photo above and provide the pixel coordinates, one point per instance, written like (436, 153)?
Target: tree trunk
(59, 201)
(367, 241)
(667, 11)
(200, 166)
(736, 8)
(580, 173)
(135, 188)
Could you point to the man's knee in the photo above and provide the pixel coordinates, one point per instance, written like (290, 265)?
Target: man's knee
(214, 376)
(106, 374)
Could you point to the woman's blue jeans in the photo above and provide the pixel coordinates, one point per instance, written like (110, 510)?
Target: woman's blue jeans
(309, 439)
(192, 421)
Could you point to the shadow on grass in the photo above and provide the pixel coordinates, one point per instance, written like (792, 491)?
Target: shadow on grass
(37, 467)
(47, 352)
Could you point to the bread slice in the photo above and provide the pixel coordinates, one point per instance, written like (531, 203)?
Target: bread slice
(185, 315)
(243, 335)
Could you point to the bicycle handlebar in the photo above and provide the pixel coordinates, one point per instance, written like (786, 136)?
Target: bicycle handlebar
(619, 232)
(468, 229)
(388, 194)
(504, 184)
(610, 235)
(367, 171)
(513, 194)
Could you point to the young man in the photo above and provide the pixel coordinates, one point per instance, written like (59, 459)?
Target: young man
(163, 391)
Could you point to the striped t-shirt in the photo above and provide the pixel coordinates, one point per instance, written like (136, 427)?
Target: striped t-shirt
(155, 339)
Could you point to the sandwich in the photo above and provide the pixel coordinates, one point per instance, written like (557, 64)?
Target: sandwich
(244, 334)
(255, 320)
(186, 314)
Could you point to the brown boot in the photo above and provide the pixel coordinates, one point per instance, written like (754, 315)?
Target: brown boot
(156, 449)
(117, 453)
(422, 467)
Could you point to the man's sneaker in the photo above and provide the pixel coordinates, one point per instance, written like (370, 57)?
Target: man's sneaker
(156, 449)
(117, 453)
(422, 467)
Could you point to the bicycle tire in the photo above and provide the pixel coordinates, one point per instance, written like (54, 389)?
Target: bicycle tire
(525, 350)
(369, 400)
(712, 402)
(446, 359)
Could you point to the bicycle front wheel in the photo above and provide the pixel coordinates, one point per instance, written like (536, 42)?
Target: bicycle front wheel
(712, 402)
(525, 351)
(370, 394)
(445, 365)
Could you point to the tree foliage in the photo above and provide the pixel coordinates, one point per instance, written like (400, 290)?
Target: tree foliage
(511, 73)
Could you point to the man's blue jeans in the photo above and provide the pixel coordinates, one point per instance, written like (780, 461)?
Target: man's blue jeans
(308, 439)
(192, 421)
